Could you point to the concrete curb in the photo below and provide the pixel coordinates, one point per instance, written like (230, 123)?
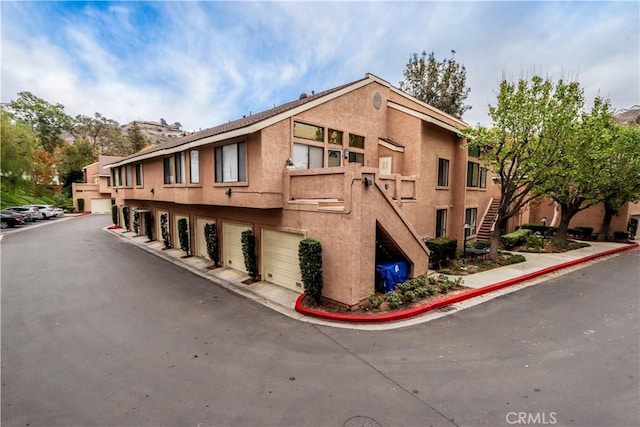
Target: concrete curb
(405, 314)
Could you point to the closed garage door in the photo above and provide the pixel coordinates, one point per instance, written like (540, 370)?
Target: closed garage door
(100, 206)
(280, 259)
(232, 245)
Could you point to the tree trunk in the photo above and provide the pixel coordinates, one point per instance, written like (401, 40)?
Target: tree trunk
(499, 230)
(567, 213)
(606, 222)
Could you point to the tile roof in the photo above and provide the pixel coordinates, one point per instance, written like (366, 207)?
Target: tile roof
(245, 121)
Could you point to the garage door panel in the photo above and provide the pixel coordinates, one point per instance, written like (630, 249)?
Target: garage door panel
(100, 206)
(232, 245)
(280, 258)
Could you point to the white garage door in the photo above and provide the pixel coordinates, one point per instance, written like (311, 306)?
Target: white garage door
(280, 259)
(232, 245)
(100, 206)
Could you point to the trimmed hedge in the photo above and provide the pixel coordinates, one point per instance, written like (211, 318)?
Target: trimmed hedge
(211, 237)
(125, 217)
(443, 249)
(114, 214)
(621, 235)
(539, 228)
(148, 225)
(249, 252)
(80, 205)
(183, 234)
(310, 258)
(164, 229)
(516, 238)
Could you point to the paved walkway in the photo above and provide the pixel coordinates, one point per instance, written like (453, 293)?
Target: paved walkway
(283, 300)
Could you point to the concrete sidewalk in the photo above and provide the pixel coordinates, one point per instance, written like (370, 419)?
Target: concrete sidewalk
(283, 300)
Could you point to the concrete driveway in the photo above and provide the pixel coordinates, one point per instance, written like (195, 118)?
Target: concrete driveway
(97, 332)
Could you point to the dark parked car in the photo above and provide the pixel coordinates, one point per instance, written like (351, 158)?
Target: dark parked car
(10, 220)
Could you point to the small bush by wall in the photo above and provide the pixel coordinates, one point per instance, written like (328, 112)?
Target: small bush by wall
(249, 252)
(443, 250)
(310, 258)
(114, 214)
(183, 234)
(136, 222)
(80, 205)
(620, 236)
(125, 217)
(164, 228)
(211, 237)
(148, 225)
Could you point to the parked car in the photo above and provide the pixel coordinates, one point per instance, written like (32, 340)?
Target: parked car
(48, 211)
(10, 219)
(32, 213)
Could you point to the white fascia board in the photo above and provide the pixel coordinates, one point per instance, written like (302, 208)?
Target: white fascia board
(390, 146)
(423, 116)
(249, 129)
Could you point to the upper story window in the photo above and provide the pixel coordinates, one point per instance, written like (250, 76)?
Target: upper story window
(335, 137)
(169, 170)
(116, 177)
(231, 162)
(356, 141)
(307, 156)
(305, 131)
(128, 176)
(179, 162)
(108, 181)
(476, 175)
(443, 173)
(194, 167)
(139, 174)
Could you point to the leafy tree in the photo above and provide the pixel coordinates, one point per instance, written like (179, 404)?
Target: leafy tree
(16, 153)
(44, 170)
(530, 121)
(621, 173)
(441, 84)
(580, 179)
(48, 121)
(136, 138)
(103, 134)
(74, 158)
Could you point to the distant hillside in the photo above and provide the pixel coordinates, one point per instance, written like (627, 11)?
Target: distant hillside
(156, 132)
(631, 115)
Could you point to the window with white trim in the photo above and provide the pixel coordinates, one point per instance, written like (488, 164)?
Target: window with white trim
(194, 167)
(230, 162)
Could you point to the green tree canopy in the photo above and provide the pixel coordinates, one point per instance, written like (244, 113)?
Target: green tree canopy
(530, 121)
(47, 120)
(441, 84)
(16, 152)
(74, 158)
(136, 138)
(105, 135)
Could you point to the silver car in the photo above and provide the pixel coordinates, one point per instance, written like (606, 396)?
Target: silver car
(48, 211)
(31, 212)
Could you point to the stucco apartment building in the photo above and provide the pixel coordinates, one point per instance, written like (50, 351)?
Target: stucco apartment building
(364, 168)
(96, 188)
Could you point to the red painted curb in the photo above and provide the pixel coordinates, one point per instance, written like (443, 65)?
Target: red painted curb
(405, 314)
(82, 214)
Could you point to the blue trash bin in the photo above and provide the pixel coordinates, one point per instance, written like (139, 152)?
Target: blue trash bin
(393, 273)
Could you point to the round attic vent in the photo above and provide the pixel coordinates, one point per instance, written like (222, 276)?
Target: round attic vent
(377, 100)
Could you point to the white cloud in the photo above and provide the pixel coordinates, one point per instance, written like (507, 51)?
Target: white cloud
(207, 63)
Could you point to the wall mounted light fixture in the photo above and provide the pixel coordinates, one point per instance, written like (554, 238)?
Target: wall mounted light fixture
(228, 192)
(367, 181)
(153, 190)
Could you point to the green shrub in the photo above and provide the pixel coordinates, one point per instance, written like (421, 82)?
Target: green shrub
(621, 235)
(249, 252)
(409, 296)
(539, 228)
(535, 240)
(393, 299)
(516, 238)
(183, 234)
(164, 228)
(443, 288)
(148, 225)
(482, 244)
(114, 214)
(80, 205)
(513, 259)
(443, 249)
(125, 217)
(431, 289)
(310, 258)
(136, 222)
(211, 237)
(375, 301)
(422, 291)
(585, 232)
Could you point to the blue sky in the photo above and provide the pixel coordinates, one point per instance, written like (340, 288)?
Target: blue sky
(205, 63)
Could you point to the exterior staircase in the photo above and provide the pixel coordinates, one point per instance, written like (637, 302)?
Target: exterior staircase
(489, 220)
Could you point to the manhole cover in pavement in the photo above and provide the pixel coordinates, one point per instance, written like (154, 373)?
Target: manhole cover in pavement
(360, 421)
